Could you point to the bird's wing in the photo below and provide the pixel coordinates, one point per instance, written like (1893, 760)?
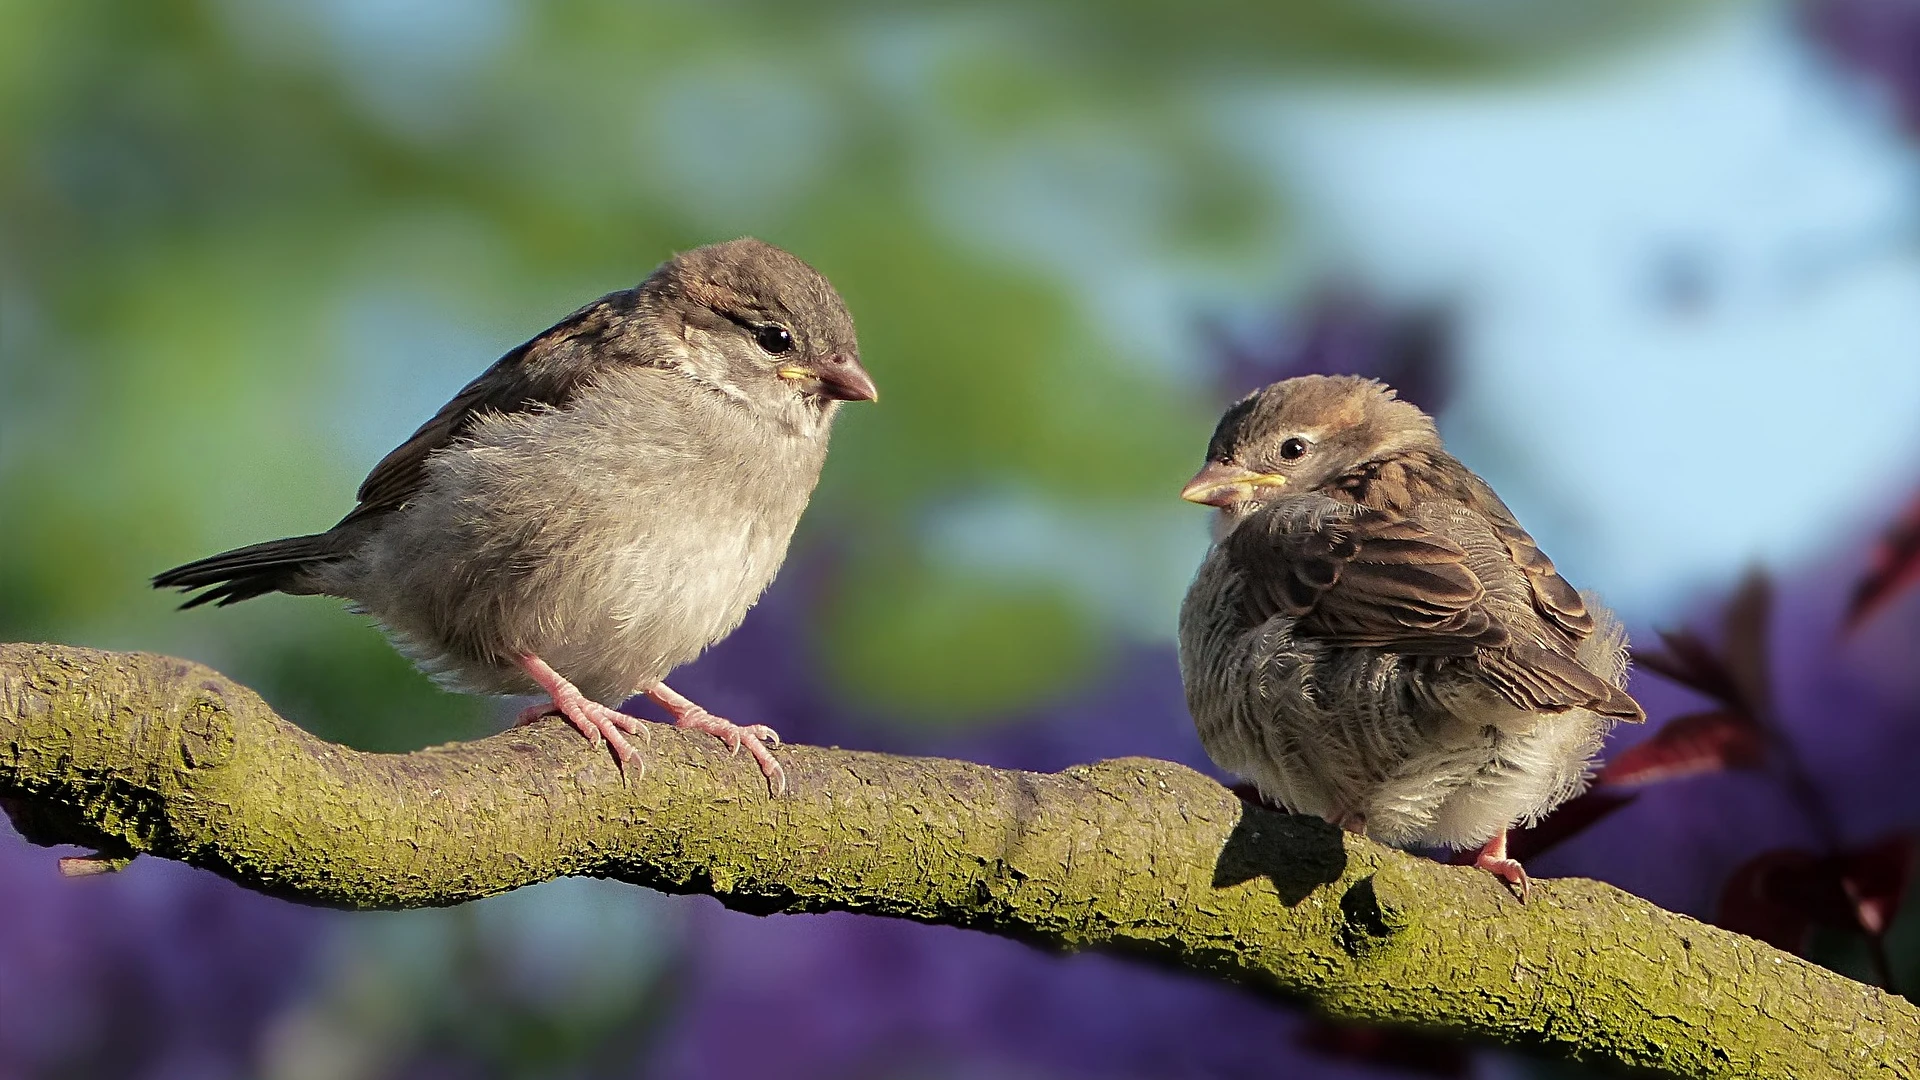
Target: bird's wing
(1541, 679)
(543, 373)
(1357, 577)
(1365, 578)
(1554, 597)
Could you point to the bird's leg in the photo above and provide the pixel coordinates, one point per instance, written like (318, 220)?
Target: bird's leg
(1352, 821)
(1493, 859)
(754, 737)
(595, 721)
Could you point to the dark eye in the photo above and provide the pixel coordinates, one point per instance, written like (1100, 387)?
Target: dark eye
(774, 338)
(1293, 449)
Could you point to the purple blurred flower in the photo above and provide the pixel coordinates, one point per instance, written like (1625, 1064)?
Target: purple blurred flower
(1880, 39)
(850, 996)
(1343, 331)
(159, 971)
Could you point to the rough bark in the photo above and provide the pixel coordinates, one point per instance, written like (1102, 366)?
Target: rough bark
(140, 754)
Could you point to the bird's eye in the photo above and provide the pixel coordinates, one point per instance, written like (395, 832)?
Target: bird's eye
(774, 339)
(1293, 449)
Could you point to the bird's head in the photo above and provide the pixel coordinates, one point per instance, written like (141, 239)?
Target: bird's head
(1300, 435)
(758, 324)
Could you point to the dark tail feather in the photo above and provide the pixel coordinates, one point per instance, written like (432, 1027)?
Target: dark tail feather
(1620, 705)
(244, 573)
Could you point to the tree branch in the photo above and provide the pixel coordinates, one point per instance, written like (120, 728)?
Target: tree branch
(140, 754)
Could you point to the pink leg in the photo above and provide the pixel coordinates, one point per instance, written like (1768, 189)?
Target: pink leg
(754, 737)
(1493, 859)
(595, 721)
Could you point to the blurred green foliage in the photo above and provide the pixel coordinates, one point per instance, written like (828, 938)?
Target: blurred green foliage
(246, 246)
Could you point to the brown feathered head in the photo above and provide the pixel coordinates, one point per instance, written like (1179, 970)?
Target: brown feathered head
(757, 323)
(1299, 435)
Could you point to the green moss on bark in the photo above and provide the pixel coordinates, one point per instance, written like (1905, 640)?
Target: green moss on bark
(131, 753)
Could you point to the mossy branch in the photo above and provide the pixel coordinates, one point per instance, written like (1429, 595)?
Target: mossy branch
(139, 754)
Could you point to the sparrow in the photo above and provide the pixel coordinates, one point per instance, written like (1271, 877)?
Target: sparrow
(602, 504)
(1373, 638)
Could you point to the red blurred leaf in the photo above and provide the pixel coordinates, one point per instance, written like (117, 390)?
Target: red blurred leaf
(1702, 742)
(1758, 899)
(1875, 879)
(1895, 566)
(1736, 675)
(1745, 625)
(1389, 1047)
(1693, 664)
(1779, 895)
(1571, 819)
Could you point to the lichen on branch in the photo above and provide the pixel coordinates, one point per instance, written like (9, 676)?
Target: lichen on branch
(135, 754)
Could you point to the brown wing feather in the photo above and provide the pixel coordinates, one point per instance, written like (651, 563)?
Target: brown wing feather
(1373, 579)
(542, 373)
(1363, 578)
(1554, 597)
(1542, 680)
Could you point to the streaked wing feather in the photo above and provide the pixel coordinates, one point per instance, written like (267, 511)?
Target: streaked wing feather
(1363, 578)
(542, 373)
(1542, 680)
(1553, 596)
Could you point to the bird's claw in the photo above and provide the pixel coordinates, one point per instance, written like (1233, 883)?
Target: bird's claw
(1511, 872)
(754, 737)
(1493, 858)
(599, 723)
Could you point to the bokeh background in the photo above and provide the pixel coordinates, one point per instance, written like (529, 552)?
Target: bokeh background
(1654, 263)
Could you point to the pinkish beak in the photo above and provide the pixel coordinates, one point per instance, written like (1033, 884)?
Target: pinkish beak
(843, 379)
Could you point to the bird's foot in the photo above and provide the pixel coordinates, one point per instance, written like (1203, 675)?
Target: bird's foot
(754, 737)
(1494, 860)
(596, 721)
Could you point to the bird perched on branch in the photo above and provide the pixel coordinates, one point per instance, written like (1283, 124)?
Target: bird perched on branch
(601, 504)
(1374, 639)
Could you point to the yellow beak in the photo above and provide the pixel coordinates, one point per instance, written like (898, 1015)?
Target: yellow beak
(1221, 484)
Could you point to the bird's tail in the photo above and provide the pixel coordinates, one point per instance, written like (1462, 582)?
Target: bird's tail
(244, 573)
(1605, 654)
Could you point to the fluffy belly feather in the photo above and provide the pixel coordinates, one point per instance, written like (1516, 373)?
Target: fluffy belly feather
(577, 570)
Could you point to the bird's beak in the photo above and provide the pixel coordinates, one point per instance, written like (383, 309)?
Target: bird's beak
(1221, 484)
(838, 377)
